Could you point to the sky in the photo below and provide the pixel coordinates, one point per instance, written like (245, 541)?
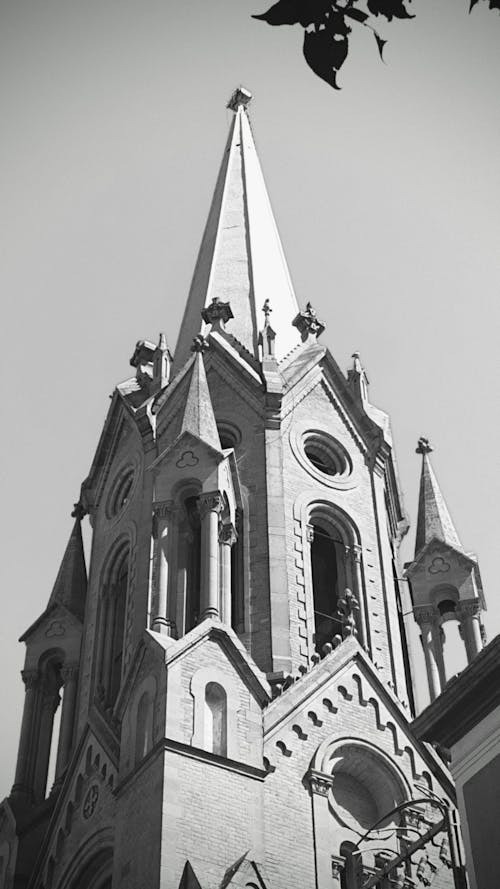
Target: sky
(386, 196)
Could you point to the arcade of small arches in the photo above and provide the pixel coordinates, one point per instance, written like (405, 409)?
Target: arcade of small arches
(445, 605)
(198, 566)
(53, 680)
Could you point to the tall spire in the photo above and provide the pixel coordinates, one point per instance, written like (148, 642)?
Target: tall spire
(434, 520)
(199, 416)
(241, 260)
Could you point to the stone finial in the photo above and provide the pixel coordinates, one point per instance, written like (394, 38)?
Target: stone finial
(217, 314)
(267, 335)
(357, 379)
(240, 98)
(78, 512)
(200, 344)
(308, 324)
(423, 446)
(162, 363)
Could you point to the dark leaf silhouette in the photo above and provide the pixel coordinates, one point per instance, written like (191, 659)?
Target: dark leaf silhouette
(389, 8)
(337, 24)
(293, 12)
(380, 44)
(325, 43)
(357, 14)
(325, 54)
(284, 12)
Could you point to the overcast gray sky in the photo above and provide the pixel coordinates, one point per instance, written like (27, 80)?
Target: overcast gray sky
(387, 199)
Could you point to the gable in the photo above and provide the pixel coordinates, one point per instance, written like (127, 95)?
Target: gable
(348, 702)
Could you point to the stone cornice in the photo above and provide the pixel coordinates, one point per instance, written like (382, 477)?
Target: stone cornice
(466, 700)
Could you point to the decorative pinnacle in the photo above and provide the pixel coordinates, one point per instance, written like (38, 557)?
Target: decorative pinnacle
(423, 446)
(240, 97)
(162, 343)
(199, 344)
(266, 308)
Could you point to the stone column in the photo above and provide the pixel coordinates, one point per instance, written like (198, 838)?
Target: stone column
(27, 742)
(210, 508)
(437, 642)
(359, 593)
(470, 623)
(227, 538)
(69, 675)
(162, 514)
(427, 620)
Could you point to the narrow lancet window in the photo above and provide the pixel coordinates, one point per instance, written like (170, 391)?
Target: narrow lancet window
(144, 727)
(216, 719)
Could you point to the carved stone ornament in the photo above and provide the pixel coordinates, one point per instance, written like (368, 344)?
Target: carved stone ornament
(347, 608)
(31, 678)
(69, 673)
(164, 509)
(212, 502)
(90, 801)
(320, 784)
(469, 609)
(425, 614)
(439, 566)
(337, 869)
(217, 313)
(308, 323)
(55, 628)
(187, 458)
(227, 534)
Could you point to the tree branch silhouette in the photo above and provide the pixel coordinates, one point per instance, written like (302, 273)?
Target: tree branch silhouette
(328, 24)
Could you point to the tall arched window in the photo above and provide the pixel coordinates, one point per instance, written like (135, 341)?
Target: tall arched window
(325, 583)
(114, 608)
(216, 718)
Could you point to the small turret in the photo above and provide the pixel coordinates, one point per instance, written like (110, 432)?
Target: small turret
(445, 580)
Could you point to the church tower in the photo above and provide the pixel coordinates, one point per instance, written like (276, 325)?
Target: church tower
(235, 679)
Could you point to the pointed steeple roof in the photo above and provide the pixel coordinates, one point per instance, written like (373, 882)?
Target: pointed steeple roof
(70, 588)
(434, 520)
(199, 418)
(241, 260)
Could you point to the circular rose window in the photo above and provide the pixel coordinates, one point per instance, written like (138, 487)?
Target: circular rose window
(326, 454)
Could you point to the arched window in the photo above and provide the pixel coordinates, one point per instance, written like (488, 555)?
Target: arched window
(144, 727)
(114, 608)
(193, 563)
(325, 583)
(216, 718)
